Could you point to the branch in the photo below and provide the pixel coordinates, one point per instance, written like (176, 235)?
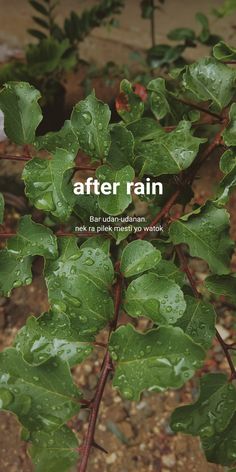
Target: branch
(107, 367)
(79, 234)
(197, 107)
(225, 347)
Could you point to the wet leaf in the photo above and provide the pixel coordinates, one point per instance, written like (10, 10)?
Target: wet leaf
(22, 113)
(157, 360)
(137, 257)
(65, 138)
(206, 231)
(212, 418)
(90, 119)
(116, 202)
(48, 185)
(158, 298)
(222, 285)
(198, 321)
(79, 283)
(121, 152)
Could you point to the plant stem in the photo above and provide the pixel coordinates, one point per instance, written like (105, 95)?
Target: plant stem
(185, 268)
(197, 107)
(161, 214)
(79, 234)
(153, 32)
(15, 158)
(105, 370)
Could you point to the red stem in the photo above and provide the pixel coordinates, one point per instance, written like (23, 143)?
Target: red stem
(225, 347)
(106, 369)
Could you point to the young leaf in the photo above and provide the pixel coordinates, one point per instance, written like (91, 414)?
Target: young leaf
(212, 417)
(79, 284)
(158, 100)
(2, 203)
(137, 257)
(90, 119)
(222, 285)
(177, 149)
(211, 80)
(115, 203)
(205, 230)
(157, 360)
(158, 298)
(37, 395)
(22, 113)
(54, 452)
(198, 321)
(229, 134)
(129, 105)
(121, 152)
(52, 335)
(224, 52)
(48, 185)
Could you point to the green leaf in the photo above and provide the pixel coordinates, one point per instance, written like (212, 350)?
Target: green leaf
(158, 298)
(37, 395)
(33, 239)
(181, 34)
(115, 203)
(211, 80)
(170, 270)
(157, 360)
(229, 134)
(54, 452)
(227, 184)
(14, 271)
(137, 257)
(228, 161)
(15, 261)
(39, 7)
(48, 183)
(224, 52)
(97, 242)
(90, 119)
(47, 56)
(128, 104)
(37, 34)
(212, 417)
(198, 321)
(145, 129)
(205, 33)
(65, 138)
(205, 230)
(22, 113)
(79, 283)
(222, 285)
(170, 153)
(51, 335)
(2, 204)
(225, 9)
(159, 103)
(121, 152)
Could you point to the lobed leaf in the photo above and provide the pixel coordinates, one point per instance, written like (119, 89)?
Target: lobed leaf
(115, 203)
(212, 417)
(79, 284)
(157, 360)
(205, 231)
(22, 113)
(210, 80)
(65, 138)
(170, 153)
(158, 298)
(198, 321)
(90, 119)
(48, 183)
(121, 152)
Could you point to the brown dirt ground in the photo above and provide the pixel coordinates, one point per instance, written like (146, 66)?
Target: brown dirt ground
(136, 435)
